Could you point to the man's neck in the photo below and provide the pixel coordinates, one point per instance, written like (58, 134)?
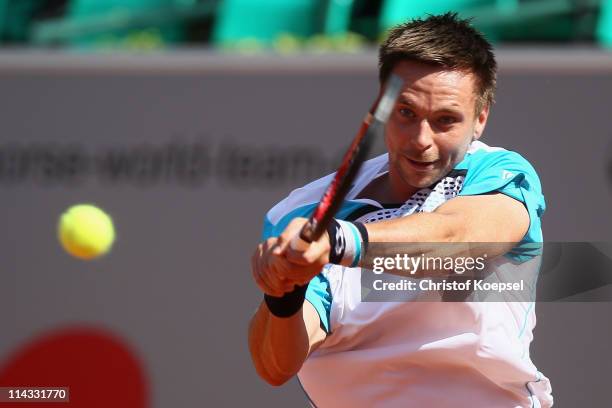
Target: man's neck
(382, 190)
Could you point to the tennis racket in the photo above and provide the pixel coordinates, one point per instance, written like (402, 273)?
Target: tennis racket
(356, 154)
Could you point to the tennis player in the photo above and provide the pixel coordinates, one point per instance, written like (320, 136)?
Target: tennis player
(437, 183)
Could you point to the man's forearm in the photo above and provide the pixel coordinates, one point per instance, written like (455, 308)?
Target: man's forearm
(278, 346)
(495, 220)
(461, 228)
(422, 227)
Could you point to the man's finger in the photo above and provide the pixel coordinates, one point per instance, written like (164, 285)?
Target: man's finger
(281, 245)
(314, 254)
(285, 271)
(269, 243)
(255, 268)
(296, 257)
(259, 265)
(273, 273)
(291, 231)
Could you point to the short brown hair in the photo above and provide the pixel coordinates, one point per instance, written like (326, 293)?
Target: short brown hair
(447, 41)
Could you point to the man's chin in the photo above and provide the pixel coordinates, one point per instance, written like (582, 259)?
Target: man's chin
(423, 181)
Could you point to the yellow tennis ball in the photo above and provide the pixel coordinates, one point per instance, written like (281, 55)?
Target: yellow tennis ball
(86, 231)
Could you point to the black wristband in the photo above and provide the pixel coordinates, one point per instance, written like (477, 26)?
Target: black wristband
(288, 304)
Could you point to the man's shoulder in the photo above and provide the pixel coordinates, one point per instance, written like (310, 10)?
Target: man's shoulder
(489, 169)
(484, 161)
(480, 154)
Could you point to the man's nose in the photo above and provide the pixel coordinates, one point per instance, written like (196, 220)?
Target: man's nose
(422, 139)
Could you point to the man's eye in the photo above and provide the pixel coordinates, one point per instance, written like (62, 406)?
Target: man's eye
(405, 112)
(447, 120)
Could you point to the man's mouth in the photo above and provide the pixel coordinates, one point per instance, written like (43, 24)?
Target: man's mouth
(422, 165)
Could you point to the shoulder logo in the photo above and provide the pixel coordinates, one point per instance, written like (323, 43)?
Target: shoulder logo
(507, 175)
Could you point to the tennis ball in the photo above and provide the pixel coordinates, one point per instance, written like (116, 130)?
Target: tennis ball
(85, 231)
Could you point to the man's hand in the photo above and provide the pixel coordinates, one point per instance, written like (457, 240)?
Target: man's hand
(264, 267)
(277, 268)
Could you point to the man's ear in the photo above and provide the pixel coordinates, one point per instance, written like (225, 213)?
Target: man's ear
(481, 122)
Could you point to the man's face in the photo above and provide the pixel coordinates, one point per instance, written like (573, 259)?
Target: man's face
(432, 125)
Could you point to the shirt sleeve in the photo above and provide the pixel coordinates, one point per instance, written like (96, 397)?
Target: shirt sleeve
(509, 173)
(318, 294)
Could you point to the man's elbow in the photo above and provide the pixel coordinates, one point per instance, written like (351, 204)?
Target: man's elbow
(275, 379)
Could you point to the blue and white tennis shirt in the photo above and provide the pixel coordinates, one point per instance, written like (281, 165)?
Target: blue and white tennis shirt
(424, 354)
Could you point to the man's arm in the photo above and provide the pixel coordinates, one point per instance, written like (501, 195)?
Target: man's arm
(479, 218)
(279, 346)
(488, 218)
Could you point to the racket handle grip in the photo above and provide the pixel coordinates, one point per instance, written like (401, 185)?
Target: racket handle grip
(302, 241)
(299, 244)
